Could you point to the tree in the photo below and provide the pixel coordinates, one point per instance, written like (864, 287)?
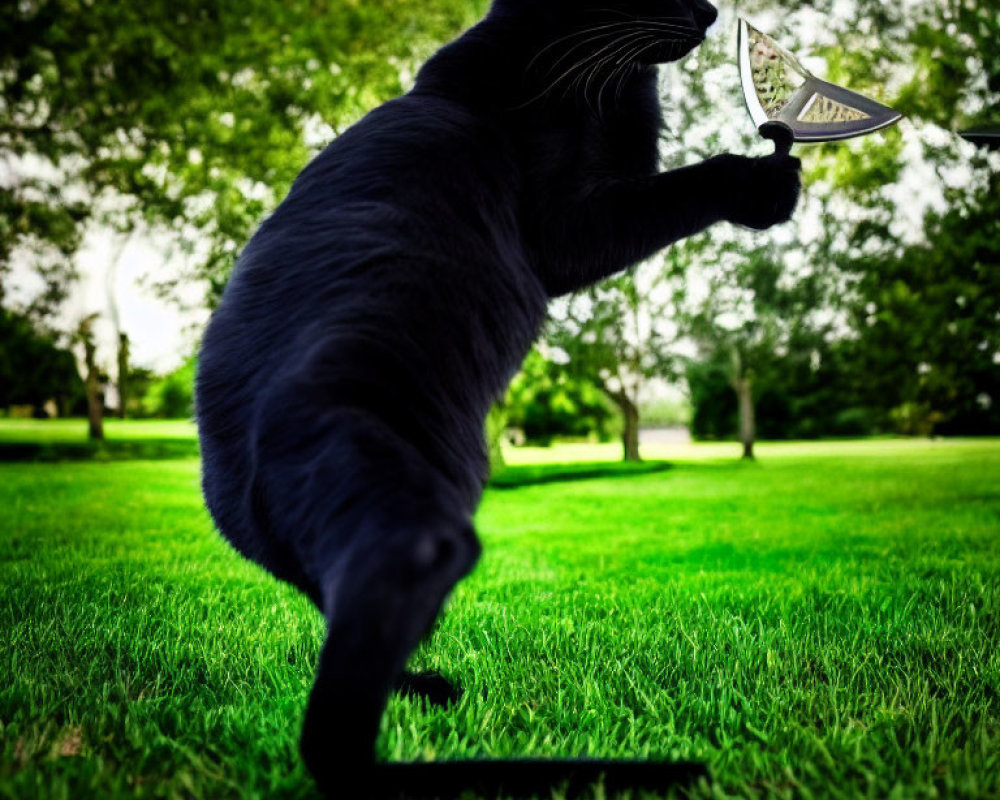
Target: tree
(172, 395)
(884, 265)
(185, 116)
(123, 374)
(613, 335)
(33, 368)
(94, 380)
(929, 332)
(752, 323)
(194, 119)
(921, 244)
(546, 400)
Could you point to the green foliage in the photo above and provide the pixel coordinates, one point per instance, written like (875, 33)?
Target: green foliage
(611, 337)
(712, 400)
(139, 381)
(792, 402)
(873, 325)
(829, 620)
(195, 119)
(199, 116)
(33, 368)
(545, 401)
(955, 64)
(172, 396)
(665, 413)
(929, 343)
(496, 429)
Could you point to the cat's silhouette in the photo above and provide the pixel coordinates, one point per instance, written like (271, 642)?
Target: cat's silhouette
(376, 315)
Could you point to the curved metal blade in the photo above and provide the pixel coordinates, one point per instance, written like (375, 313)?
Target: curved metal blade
(778, 89)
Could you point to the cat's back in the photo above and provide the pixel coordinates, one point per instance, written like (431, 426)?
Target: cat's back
(400, 242)
(408, 212)
(418, 177)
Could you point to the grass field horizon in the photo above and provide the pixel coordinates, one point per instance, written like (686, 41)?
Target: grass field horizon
(73, 430)
(822, 623)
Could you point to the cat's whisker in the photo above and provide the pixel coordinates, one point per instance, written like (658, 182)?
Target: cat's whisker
(621, 13)
(680, 25)
(627, 62)
(598, 37)
(597, 32)
(616, 71)
(620, 61)
(582, 79)
(622, 78)
(683, 22)
(604, 56)
(685, 32)
(630, 56)
(554, 83)
(622, 57)
(628, 50)
(573, 35)
(624, 46)
(613, 47)
(631, 62)
(634, 49)
(580, 65)
(672, 43)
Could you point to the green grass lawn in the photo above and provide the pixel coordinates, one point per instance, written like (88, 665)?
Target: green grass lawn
(75, 430)
(823, 623)
(66, 440)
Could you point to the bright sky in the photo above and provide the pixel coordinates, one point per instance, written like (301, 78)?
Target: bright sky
(161, 334)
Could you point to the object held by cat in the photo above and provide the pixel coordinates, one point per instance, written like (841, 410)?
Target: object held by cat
(377, 314)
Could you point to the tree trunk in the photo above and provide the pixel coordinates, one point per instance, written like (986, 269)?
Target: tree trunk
(744, 392)
(630, 435)
(95, 402)
(123, 371)
(630, 415)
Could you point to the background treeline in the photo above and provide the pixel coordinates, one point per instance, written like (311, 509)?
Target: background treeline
(874, 312)
(40, 378)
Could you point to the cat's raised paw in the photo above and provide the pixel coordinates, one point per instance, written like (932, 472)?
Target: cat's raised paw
(762, 191)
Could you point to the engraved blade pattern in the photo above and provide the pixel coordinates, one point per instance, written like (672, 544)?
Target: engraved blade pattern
(777, 75)
(823, 109)
(779, 90)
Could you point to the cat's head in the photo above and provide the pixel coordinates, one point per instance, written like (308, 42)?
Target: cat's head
(643, 31)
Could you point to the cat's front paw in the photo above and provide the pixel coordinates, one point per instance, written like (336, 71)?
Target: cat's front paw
(764, 191)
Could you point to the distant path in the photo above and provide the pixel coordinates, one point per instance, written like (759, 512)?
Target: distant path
(677, 434)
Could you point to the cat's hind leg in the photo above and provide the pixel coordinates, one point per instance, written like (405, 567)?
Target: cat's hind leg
(384, 538)
(380, 604)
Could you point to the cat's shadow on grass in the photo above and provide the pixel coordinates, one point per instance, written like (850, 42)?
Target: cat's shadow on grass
(112, 450)
(529, 778)
(515, 778)
(521, 475)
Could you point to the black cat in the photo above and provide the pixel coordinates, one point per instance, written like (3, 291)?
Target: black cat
(381, 309)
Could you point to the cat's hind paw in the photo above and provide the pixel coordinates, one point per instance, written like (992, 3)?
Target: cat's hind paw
(432, 686)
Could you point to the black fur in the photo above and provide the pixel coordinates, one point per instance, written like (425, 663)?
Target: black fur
(376, 315)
